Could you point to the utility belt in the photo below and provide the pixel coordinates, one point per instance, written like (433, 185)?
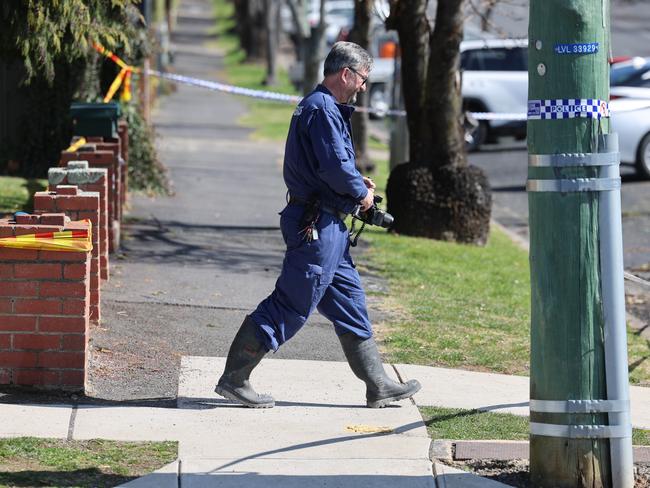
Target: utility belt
(294, 200)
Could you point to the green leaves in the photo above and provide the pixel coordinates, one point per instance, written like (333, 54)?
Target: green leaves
(42, 33)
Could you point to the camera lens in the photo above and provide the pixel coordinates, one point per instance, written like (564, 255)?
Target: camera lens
(387, 221)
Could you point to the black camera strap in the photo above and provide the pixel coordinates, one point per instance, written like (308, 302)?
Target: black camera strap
(354, 241)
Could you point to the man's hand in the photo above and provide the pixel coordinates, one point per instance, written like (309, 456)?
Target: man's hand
(369, 183)
(369, 199)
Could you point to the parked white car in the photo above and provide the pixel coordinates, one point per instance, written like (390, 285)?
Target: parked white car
(495, 79)
(630, 79)
(631, 120)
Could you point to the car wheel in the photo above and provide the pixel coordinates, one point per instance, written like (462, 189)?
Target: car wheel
(643, 157)
(476, 136)
(378, 101)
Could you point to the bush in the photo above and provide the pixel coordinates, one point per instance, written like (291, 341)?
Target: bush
(146, 173)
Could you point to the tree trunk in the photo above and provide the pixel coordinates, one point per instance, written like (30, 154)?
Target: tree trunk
(486, 16)
(241, 23)
(314, 46)
(169, 15)
(436, 194)
(441, 136)
(301, 33)
(251, 26)
(271, 30)
(399, 137)
(360, 34)
(409, 18)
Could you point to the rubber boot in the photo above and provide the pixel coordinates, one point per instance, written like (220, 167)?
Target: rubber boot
(363, 358)
(246, 351)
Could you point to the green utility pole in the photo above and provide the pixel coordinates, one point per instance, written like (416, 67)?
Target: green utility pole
(580, 424)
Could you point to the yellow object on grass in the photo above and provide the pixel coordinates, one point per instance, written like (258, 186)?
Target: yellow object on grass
(369, 429)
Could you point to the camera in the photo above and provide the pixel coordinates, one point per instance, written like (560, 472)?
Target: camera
(374, 215)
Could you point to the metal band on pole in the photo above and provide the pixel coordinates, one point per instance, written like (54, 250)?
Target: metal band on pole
(574, 185)
(576, 159)
(579, 406)
(581, 431)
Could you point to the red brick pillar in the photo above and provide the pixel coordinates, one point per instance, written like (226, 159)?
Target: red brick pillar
(44, 307)
(77, 205)
(114, 145)
(94, 180)
(123, 132)
(103, 159)
(119, 147)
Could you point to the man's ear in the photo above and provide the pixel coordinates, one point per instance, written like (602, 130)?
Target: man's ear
(345, 74)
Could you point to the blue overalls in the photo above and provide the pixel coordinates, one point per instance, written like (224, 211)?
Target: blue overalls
(319, 162)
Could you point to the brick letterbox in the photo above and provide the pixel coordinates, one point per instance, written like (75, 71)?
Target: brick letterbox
(44, 307)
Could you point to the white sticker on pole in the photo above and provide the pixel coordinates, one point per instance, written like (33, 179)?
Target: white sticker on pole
(567, 108)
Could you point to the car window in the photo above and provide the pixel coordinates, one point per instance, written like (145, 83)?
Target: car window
(342, 12)
(641, 78)
(495, 59)
(630, 75)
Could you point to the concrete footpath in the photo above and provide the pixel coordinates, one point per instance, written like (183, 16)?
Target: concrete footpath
(319, 434)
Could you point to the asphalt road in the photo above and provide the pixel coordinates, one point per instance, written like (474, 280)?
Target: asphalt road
(506, 166)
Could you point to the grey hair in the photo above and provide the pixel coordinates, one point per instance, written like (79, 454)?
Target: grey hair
(347, 55)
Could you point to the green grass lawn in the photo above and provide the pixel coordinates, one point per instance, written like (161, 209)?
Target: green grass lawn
(454, 305)
(16, 193)
(28, 461)
(461, 424)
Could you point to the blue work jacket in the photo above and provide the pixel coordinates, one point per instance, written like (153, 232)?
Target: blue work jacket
(319, 159)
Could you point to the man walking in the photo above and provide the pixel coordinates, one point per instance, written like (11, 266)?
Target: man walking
(318, 272)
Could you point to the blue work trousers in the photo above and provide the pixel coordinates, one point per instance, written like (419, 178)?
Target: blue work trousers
(316, 274)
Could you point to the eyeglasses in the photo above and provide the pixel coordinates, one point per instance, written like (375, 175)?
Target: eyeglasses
(364, 78)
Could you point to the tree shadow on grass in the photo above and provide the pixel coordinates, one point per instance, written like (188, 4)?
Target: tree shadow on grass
(83, 478)
(635, 364)
(449, 416)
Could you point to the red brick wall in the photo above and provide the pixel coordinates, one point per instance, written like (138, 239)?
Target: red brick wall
(44, 308)
(92, 180)
(103, 159)
(114, 145)
(77, 205)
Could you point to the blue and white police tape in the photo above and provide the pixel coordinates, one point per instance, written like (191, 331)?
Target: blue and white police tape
(293, 99)
(497, 116)
(567, 108)
(259, 94)
(222, 87)
(541, 109)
